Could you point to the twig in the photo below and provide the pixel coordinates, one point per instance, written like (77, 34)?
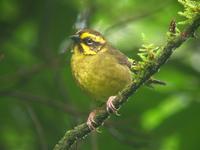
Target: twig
(38, 128)
(46, 101)
(135, 17)
(24, 73)
(82, 20)
(1, 56)
(128, 141)
(82, 130)
(94, 141)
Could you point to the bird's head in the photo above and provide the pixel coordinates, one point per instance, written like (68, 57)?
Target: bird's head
(88, 42)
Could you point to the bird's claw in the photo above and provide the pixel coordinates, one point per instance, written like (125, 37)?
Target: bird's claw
(90, 121)
(110, 106)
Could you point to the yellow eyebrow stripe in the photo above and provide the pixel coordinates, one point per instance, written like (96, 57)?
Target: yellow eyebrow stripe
(93, 37)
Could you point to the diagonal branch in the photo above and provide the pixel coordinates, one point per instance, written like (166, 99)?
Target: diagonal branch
(82, 130)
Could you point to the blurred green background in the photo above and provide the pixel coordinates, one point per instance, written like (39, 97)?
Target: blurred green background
(39, 99)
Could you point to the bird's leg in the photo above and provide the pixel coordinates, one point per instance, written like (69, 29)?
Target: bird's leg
(110, 106)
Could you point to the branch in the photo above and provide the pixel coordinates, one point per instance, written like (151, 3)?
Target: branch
(27, 97)
(82, 20)
(82, 130)
(1, 56)
(38, 127)
(136, 17)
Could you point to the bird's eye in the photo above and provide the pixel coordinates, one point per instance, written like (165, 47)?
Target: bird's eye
(88, 41)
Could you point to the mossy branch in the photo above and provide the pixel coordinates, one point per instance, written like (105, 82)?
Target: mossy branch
(149, 67)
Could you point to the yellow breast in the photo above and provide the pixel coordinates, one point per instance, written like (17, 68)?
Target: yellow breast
(100, 75)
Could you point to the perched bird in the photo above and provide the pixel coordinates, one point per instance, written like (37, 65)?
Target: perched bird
(100, 69)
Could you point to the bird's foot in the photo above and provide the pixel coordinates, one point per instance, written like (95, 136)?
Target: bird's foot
(90, 121)
(110, 106)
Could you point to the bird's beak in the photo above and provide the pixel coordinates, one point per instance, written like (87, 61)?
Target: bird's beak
(75, 38)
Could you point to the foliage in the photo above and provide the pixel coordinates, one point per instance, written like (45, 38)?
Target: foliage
(191, 9)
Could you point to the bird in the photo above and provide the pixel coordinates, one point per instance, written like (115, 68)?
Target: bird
(101, 70)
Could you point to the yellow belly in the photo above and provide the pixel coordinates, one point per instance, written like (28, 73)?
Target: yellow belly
(100, 75)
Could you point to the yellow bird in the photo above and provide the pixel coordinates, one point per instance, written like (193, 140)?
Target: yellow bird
(100, 69)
